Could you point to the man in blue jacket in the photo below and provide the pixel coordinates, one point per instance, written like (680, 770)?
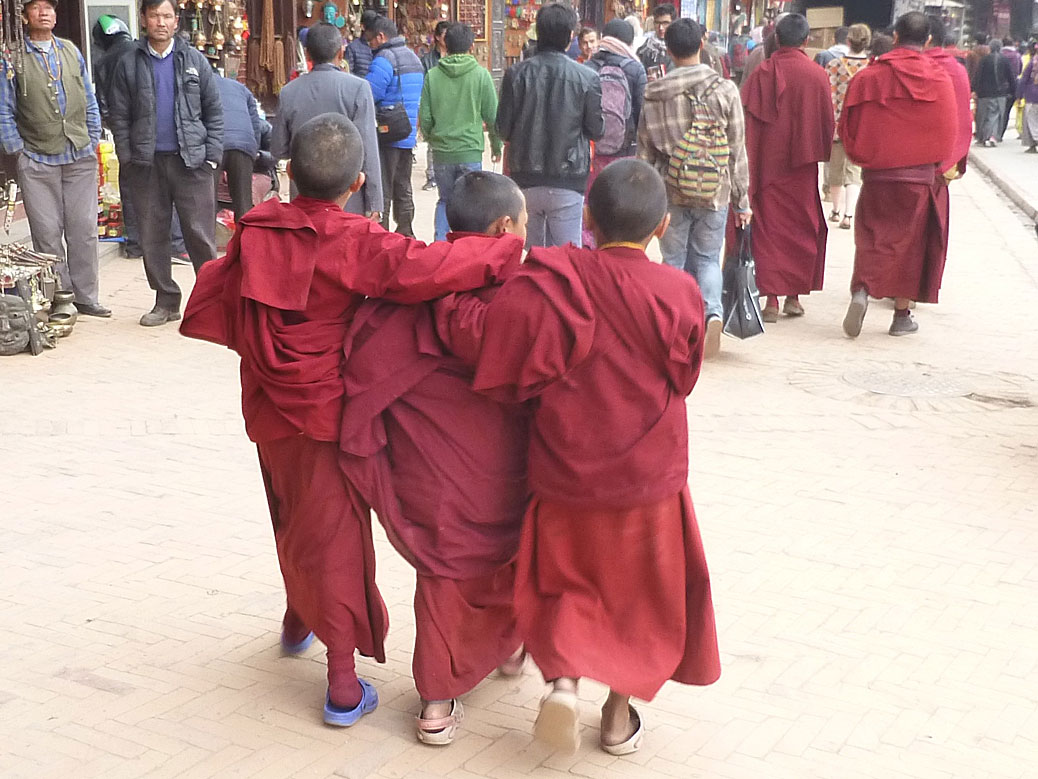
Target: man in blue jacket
(242, 131)
(396, 76)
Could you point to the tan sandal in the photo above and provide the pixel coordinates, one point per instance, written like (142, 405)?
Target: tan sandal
(440, 731)
(632, 744)
(558, 723)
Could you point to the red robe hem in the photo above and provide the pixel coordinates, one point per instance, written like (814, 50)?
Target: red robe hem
(464, 629)
(619, 596)
(323, 534)
(901, 239)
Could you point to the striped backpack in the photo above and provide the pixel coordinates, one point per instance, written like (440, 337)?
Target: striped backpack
(699, 161)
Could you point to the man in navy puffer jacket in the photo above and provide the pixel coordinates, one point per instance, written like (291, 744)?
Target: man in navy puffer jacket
(396, 76)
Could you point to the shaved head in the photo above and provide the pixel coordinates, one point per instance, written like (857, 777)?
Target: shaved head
(327, 154)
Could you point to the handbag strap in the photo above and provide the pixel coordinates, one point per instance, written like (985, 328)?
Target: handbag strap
(745, 243)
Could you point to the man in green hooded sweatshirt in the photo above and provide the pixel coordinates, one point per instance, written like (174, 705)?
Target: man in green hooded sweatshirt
(458, 99)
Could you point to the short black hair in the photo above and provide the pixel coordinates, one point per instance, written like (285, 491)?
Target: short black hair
(840, 36)
(881, 44)
(627, 201)
(367, 18)
(323, 43)
(440, 28)
(665, 9)
(792, 30)
(913, 28)
(147, 5)
(459, 38)
(951, 40)
(480, 198)
(327, 154)
(585, 31)
(684, 38)
(936, 30)
(555, 25)
(383, 25)
(980, 38)
(620, 29)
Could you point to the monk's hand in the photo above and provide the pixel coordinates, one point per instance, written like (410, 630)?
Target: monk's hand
(495, 158)
(744, 218)
(375, 216)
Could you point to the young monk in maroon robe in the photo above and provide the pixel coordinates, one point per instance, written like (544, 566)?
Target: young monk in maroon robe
(902, 123)
(283, 298)
(789, 130)
(612, 582)
(444, 468)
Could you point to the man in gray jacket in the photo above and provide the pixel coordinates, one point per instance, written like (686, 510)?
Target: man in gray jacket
(326, 89)
(165, 113)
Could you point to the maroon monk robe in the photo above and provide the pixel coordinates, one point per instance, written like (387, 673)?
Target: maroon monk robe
(789, 130)
(901, 122)
(283, 298)
(611, 580)
(445, 470)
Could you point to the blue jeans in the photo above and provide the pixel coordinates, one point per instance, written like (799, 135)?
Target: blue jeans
(445, 176)
(693, 243)
(556, 216)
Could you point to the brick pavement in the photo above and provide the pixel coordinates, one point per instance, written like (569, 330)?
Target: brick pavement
(873, 558)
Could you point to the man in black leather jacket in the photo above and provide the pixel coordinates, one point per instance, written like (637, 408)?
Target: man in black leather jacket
(550, 110)
(165, 113)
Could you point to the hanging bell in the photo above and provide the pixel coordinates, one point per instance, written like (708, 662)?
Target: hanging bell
(219, 40)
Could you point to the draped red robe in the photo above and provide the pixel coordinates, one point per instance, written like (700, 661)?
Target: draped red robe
(444, 468)
(611, 579)
(283, 298)
(903, 123)
(789, 130)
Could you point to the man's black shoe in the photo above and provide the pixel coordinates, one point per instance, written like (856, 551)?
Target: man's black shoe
(159, 316)
(93, 309)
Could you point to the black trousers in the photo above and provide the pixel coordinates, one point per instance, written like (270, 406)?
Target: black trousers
(396, 188)
(238, 166)
(159, 188)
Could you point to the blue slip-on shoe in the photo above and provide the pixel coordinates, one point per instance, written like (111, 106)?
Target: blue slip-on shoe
(297, 649)
(343, 718)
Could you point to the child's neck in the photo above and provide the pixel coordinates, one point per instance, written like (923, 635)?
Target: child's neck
(639, 245)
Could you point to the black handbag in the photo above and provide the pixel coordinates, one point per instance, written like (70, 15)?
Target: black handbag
(392, 121)
(740, 297)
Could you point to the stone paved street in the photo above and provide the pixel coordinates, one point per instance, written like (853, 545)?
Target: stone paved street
(868, 509)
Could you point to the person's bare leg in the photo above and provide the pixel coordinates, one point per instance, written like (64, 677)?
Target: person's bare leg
(617, 726)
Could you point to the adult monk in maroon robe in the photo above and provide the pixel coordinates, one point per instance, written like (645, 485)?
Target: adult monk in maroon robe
(284, 298)
(903, 124)
(444, 467)
(789, 130)
(612, 581)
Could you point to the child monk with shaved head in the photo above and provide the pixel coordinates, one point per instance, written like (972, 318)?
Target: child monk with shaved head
(444, 468)
(284, 299)
(611, 580)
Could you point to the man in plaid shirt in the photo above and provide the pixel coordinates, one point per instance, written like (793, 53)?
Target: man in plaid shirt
(696, 233)
(49, 119)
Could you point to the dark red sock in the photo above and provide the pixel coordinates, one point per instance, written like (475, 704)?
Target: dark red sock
(293, 628)
(343, 687)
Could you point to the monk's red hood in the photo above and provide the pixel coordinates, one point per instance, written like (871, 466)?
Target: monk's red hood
(911, 75)
(283, 237)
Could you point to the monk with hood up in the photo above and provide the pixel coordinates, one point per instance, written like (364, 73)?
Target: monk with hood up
(284, 298)
(902, 123)
(789, 130)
